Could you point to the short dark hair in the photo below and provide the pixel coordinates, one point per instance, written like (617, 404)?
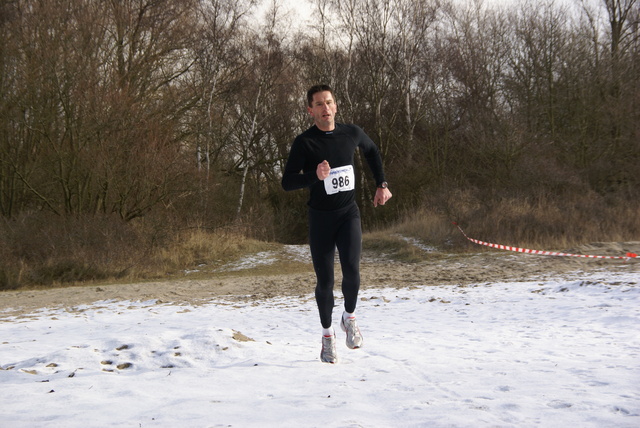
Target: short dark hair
(315, 89)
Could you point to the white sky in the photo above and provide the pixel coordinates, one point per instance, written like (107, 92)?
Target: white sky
(301, 10)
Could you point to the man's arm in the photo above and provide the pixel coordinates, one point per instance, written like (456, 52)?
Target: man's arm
(294, 176)
(374, 160)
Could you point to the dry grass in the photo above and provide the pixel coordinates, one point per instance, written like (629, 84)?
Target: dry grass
(431, 229)
(545, 222)
(43, 250)
(197, 246)
(393, 246)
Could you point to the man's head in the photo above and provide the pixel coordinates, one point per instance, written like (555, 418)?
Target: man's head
(315, 89)
(322, 106)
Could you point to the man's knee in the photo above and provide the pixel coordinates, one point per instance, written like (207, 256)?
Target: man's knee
(324, 286)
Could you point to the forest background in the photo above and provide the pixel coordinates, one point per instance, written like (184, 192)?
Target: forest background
(142, 137)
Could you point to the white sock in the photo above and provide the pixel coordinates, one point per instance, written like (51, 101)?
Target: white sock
(328, 331)
(346, 315)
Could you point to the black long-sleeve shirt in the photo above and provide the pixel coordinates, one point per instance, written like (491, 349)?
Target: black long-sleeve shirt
(336, 147)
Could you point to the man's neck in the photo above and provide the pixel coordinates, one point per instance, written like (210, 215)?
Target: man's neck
(328, 128)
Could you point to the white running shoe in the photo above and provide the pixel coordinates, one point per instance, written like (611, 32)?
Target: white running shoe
(329, 354)
(354, 337)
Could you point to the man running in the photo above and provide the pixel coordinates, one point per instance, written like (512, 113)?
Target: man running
(322, 159)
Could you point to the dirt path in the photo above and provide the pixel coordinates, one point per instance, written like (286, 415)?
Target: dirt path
(257, 283)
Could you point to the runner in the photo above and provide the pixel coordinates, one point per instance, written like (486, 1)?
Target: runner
(322, 159)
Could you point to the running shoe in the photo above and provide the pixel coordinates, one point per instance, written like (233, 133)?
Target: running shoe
(329, 354)
(354, 337)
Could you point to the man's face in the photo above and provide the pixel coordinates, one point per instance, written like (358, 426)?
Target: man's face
(323, 110)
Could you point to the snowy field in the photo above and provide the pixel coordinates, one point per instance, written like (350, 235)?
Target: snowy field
(562, 352)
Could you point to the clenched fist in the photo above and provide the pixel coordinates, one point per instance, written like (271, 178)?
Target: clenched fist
(323, 170)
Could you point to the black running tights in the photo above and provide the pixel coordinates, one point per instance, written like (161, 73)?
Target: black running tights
(329, 230)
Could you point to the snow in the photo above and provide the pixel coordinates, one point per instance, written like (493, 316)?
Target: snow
(560, 352)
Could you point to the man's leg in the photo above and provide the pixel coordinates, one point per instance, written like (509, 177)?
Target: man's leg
(324, 285)
(349, 243)
(322, 248)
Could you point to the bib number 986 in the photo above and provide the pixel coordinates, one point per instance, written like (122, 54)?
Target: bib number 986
(340, 179)
(340, 182)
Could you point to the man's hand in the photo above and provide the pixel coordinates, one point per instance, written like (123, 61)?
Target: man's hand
(381, 197)
(323, 170)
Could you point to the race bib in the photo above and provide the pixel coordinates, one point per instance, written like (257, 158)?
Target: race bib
(340, 179)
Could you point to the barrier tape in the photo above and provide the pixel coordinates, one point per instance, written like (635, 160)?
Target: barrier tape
(541, 252)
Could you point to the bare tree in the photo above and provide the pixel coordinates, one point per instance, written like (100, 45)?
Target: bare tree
(478, 49)
(96, 83)
(254, 150)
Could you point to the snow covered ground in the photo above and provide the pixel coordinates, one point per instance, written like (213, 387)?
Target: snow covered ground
(561, 352)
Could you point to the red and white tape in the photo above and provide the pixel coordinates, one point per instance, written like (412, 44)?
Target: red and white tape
(540, 252)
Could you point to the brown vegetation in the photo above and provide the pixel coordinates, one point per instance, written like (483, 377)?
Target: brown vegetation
(138, 137)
